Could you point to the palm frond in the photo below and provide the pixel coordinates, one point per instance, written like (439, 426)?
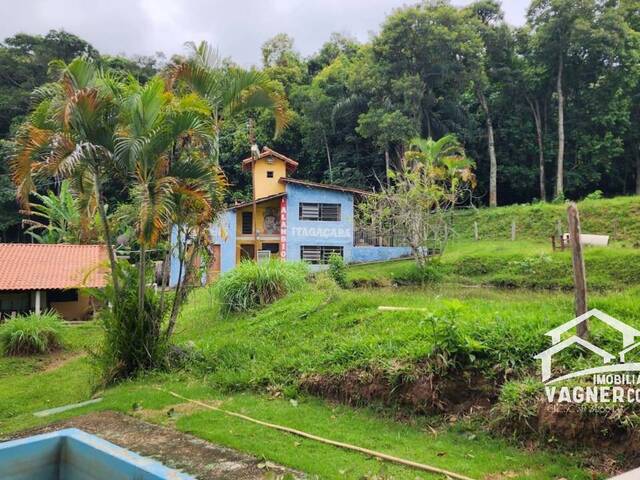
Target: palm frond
(31, 142)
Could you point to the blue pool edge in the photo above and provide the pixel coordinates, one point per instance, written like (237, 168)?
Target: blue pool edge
(147, 465)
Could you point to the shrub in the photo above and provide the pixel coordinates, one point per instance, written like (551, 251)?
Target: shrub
(131, 344)
(251, 285)
(325, 283)
(517, 407)
(31, 334)
(338, 270)
(430, 273)
(595, 195)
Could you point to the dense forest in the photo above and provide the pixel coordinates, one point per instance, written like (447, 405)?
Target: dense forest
(547, 111)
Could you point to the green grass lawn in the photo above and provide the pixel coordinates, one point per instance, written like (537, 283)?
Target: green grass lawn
(519, 264)
(458, 447)
(309, 331)
(252, 363)
(616, 217)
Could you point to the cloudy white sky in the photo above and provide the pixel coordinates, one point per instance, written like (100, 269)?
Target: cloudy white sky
(237, 27)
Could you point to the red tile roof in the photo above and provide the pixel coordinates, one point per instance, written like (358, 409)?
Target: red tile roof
(267, 152)
(26, 266)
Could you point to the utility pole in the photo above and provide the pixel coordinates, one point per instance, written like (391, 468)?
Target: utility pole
(255, 153)
(579, 272)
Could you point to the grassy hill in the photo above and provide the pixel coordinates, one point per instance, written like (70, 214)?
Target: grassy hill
(466, 344)
(331, 331)
(255, 364)
(618, 217)
(519, 264)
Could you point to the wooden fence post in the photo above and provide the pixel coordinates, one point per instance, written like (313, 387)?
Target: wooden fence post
(579, 272)
(475, 230)
(513, 230)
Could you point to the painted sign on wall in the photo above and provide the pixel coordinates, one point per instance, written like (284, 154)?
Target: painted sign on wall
(322, 232)
(283, 228)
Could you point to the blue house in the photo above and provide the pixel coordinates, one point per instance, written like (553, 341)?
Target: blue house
(293, 219)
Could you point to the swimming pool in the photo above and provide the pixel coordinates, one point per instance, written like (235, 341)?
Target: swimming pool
(72, 454)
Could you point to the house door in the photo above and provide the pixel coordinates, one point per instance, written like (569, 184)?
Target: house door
(213, 272)
(247, 252)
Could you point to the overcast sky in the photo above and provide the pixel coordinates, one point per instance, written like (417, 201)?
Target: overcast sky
(237, 27)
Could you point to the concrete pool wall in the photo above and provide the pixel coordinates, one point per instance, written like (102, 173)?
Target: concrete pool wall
(72, 454)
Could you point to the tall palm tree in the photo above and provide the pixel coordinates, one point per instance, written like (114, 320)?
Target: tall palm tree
(228, 91)
(444, 157)
(158, 133)
(70, 133)
(164, 142)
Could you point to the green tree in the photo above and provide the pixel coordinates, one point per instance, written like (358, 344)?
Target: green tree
(24, 61)
(70, 133)
(9, 214)
(228, 91)
(417, 205)
(57, 218)
(557, 29)
(488, 70)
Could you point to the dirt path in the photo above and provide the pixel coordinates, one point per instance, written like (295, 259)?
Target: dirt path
(204, 460)
(59, 359)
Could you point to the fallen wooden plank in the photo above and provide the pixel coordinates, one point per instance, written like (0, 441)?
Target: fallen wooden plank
(64, 408)
(402, 309)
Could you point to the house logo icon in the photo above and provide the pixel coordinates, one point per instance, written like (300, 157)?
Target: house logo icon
(629, 343)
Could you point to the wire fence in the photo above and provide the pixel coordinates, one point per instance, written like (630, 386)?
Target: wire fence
(370, 236)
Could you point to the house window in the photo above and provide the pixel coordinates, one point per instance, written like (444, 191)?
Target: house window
(326, 212)
(62, 295)
(247, 223)
(272, 247)
(270, 174)
(247, 252)
(319, 254)
(14, 302)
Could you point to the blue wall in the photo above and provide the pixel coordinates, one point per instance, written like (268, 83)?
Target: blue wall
(309, 232)
(175, 261)
(224, 233)
(378, 254)
(227, 225)
(301, 232)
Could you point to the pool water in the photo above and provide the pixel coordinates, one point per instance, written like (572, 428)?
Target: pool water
(72, 454)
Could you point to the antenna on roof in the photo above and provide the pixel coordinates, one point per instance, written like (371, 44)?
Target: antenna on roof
(255, 151)
(255, 155)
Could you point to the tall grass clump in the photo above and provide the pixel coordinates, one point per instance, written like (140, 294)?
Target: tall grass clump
(132, 343)
(31, 334)
(251, 285)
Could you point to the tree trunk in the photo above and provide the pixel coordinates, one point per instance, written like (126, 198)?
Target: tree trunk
(107, 232)
(560, 171)
(142, 283)
(182, 288)
(326, 147)
(165, 273)
(493, 163)
(387, 164)
(181, 257)
(535, 109)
